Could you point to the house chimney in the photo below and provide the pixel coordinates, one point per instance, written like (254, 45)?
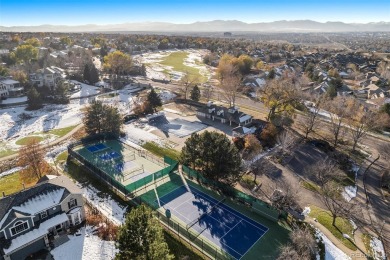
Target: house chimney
(3, 194)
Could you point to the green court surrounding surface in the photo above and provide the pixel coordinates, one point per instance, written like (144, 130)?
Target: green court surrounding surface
(128, 167)
(176, 61)
(265, 248)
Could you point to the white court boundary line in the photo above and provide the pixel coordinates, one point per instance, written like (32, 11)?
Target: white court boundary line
(229, 209)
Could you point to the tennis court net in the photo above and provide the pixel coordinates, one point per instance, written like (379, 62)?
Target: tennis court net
(193, 222)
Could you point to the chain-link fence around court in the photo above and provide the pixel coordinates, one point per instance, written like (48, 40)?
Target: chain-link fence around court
(129, 189)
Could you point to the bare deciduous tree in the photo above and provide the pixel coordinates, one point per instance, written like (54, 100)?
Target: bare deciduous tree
(230, 80)
(186, 82)
(338, 109)
(334, 202)
(303, 246)
(289, 252)
(284, 196)
(361, 121)
(323, 172)
(32, 157)
(286, 140)
(310, 122)
(279, 95)
(208, 92)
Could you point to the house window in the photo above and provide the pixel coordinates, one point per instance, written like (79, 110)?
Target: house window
(43, 214)
(72, 203)
(19, 227)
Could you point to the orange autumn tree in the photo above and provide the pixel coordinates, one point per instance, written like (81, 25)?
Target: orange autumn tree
(31, 157)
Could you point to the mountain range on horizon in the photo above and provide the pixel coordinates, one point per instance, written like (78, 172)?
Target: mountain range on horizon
(210, 26)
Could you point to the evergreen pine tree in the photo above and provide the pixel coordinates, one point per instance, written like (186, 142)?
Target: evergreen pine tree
(34, 100)
(195, 93)
(142, 237)
(99, 118)
(86, 74)
(214, 155)
(93, 74)
(154, 100)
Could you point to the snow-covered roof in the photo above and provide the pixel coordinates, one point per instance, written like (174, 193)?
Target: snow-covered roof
(36, 233)
(260, 82)
(245, 118)
(41, 201)
(9, 81)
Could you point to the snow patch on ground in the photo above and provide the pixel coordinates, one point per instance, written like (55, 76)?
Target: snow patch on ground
(15, 100)
(332, 252)
(377, 248)
(306, 211)
(349, 192)
(10, 171)
(85, 91)
(106, 206)
(156, 70)
(166, 96)
(139, 133)
(52, 154)
(86, 246)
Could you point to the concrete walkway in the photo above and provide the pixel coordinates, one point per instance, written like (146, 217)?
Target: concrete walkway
(48, 145)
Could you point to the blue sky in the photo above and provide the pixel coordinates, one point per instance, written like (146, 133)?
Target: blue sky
(75, 12)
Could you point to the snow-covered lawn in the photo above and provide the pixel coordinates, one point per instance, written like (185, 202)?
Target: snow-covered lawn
(349, 192)
(107, 206)
(51, 116)
(15, 100)
(17, 122)
(332, 252)
(140, 133)
(166, 96)
(85, 91)
(377, 248)
(156, 70)
(10, 171)
(86, 246)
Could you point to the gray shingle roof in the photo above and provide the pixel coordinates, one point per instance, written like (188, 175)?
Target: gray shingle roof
(16, 199)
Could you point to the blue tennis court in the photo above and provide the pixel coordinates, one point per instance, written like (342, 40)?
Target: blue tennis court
(96, 148)
(225, 227)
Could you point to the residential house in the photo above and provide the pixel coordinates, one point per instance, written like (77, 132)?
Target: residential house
(10, 88)
(34, 218)
(47, 77)
(373, 91)
(231, 115)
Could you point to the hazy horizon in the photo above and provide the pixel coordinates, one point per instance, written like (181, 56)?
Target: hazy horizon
(34, 12)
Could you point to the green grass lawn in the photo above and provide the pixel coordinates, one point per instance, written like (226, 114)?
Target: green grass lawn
(27, 139)
(61, 157)
(5, 152)
(161, 151)
(176, 61)
(12, 183)
(343, 226)
(310, 186)
(60, 132)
